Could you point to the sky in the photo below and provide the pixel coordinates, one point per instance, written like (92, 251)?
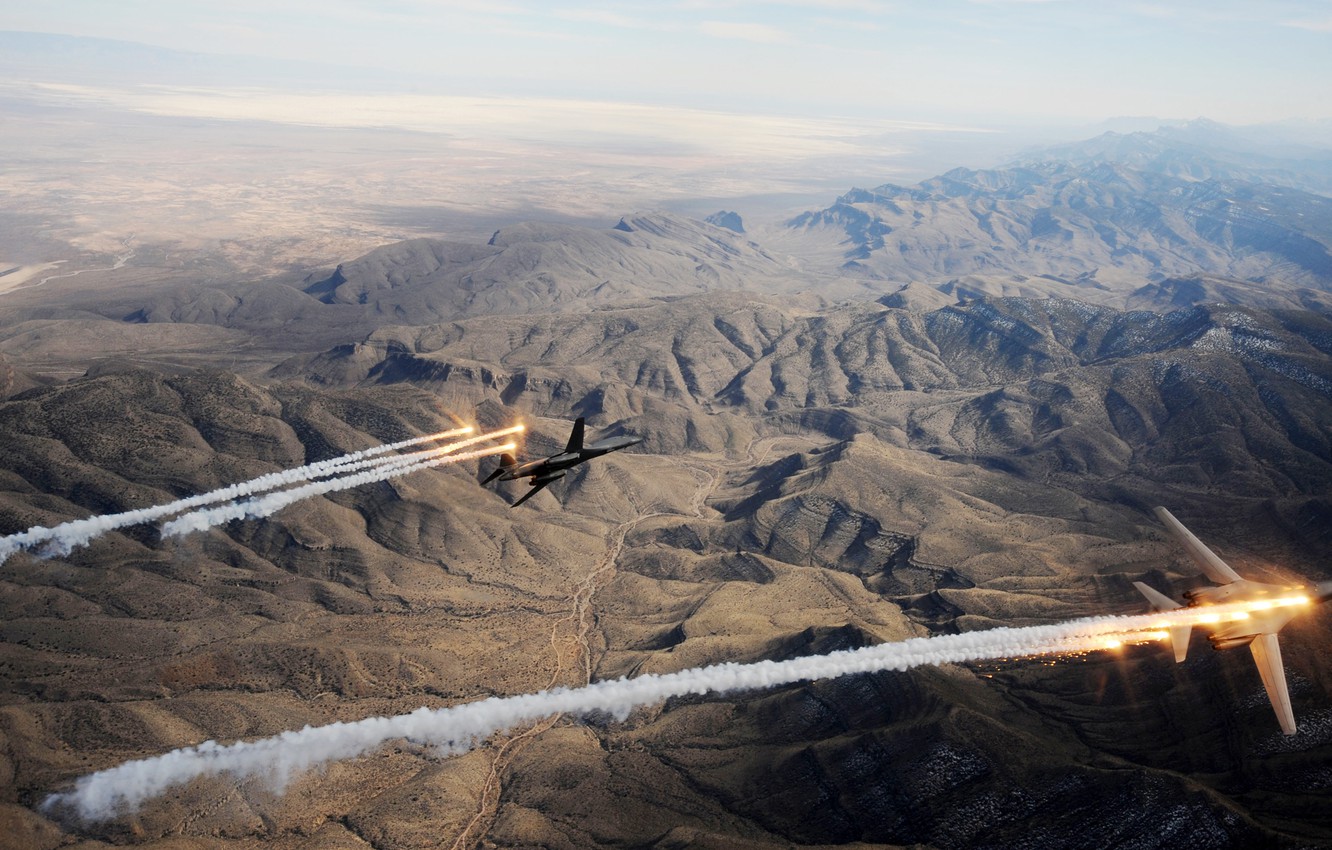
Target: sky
(954, 60)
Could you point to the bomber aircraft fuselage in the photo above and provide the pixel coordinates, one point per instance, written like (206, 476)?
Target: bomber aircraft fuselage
(543, 471)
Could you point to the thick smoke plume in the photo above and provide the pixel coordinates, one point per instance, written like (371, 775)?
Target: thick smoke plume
(269, 504)
(109, 793)
(62, 539)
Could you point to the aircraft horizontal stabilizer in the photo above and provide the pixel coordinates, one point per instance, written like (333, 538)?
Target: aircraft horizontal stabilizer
(1179, 635)
(507, 462)
(1160, 602)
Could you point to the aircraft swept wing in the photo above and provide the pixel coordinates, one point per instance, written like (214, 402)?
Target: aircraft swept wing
(1268, 609)
(1212, 566)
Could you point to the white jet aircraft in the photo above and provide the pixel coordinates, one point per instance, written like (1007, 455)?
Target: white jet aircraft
(1271, 607)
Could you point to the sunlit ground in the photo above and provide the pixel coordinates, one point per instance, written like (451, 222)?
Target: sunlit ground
(261, 181)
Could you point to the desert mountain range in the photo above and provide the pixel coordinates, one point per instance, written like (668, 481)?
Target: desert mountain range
(1102, 223)
(926, 409)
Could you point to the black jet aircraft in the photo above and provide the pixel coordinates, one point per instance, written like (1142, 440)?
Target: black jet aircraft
(552, 468)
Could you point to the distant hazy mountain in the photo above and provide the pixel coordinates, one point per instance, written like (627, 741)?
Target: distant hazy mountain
(1097, 225)
(1043, 222)
(1202, 149)
(727, 219)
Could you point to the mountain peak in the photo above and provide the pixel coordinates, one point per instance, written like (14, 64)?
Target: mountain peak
(727, 219)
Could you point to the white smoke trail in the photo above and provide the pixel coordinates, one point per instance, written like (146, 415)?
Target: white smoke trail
(66, 537)
(108, 793)
(266, 505)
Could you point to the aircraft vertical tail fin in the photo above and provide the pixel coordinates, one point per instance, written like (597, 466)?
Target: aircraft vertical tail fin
(575, 437)
(1179, 635)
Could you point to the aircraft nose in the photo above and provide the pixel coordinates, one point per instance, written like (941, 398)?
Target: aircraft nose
(1323, 590)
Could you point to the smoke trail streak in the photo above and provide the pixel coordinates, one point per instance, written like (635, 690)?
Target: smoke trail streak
(263, 506)
(68, 536)
(108, 793)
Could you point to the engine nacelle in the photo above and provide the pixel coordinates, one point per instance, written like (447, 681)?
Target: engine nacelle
(1230, 643)
(542, 480)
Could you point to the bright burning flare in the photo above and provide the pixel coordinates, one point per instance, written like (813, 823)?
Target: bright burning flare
(116, 790)
(263, 506)
(480, 438)
(68, 536)
(1209, 615)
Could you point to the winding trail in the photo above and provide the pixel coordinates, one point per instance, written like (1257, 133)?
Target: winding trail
(574, 650)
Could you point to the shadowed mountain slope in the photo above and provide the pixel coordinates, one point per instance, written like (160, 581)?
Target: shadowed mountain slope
(963, 236)
(531, 267)
(1048, 387)
(526, 268)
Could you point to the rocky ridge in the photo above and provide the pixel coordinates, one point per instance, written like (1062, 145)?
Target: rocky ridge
(829, 461)
(1102, 225)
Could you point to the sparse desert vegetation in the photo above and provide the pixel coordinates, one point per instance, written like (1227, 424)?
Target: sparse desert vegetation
(935, 406)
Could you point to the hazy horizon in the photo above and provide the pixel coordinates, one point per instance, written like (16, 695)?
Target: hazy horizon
(284, 135)
(974, 61)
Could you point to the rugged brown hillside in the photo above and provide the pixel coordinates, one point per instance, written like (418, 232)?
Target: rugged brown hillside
(1201, 400)
(811, 479)
(536, 267)
(192, 318)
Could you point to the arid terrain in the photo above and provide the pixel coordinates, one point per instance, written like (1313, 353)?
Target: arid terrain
(860, 425)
